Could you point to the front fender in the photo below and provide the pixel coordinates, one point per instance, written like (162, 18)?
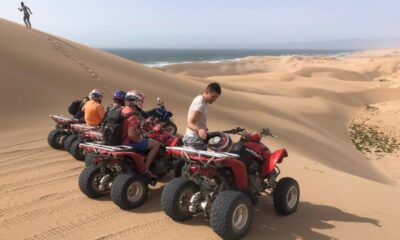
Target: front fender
(275, 158)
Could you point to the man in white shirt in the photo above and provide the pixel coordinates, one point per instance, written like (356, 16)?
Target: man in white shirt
(196, 131)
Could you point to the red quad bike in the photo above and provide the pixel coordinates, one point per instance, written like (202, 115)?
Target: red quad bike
(120, 170)
(82, 133)
(58, 136)
(223, 186)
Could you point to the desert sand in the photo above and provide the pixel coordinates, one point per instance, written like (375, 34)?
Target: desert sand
(309, 102)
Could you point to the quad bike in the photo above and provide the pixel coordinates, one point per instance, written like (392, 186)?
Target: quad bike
(120, 170)
(81, 133)
(223, 186)
(160, 115)
(57, 137)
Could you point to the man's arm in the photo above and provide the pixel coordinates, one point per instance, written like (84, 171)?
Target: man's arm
(192, 124)
(29, 10)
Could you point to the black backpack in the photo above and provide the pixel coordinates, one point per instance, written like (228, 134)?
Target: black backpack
(74, 107)
(111, 126)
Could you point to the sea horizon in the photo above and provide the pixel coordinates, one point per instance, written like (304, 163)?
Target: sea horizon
(170, 56)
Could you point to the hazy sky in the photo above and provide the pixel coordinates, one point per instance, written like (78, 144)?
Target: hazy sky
(209, 23)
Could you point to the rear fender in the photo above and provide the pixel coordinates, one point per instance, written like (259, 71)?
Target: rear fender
(240, 173)
(136, 158)
(275, 158)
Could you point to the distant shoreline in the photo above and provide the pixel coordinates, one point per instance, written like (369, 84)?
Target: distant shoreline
(166, 57)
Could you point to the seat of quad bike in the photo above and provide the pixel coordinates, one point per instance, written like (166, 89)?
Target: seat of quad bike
(84, 127)
(201, 153)
(118, 148)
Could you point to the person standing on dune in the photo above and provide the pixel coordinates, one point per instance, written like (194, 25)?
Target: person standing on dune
(26, 14)
(196, 131)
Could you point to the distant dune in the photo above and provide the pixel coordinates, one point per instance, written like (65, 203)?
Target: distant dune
(309, 102)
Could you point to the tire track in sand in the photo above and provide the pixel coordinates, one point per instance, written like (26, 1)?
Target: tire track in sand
(141, 231)
(62, 231)
(37, 213)
(48, 180)
(49, 198)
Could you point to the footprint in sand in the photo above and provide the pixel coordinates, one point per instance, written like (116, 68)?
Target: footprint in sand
(313, 169)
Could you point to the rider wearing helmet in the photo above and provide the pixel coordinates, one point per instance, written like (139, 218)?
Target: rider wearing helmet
(196, 131)
(94, 111)
(131, 132)
(118, 100)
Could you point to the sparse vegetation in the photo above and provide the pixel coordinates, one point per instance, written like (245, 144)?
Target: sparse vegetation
(383, 80)
(371, 108)
(369, 139)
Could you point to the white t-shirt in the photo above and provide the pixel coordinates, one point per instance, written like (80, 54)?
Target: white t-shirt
(198, 105)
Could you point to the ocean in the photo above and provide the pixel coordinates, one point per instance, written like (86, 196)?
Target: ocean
(163, 57)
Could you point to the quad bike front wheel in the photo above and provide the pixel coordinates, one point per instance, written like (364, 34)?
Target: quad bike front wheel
(76, 151)
(231, 214)
(69, 140)
(129, 191)
(56, 138)
(175, 198)
(90, 182)
(286, 196)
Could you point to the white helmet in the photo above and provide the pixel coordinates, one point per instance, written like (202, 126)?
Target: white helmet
(136, 97)
(219, 142)
(96, 94)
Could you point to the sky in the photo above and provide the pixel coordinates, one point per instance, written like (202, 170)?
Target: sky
(210, 23)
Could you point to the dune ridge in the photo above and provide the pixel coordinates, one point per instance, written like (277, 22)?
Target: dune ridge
(308, 102)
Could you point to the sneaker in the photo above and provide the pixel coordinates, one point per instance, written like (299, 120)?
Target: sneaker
(151, 178)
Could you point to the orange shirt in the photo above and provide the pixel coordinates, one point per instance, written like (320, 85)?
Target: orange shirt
(94, 113)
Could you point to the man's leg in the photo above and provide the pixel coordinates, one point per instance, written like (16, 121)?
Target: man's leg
(26, 21)
(194, 142)
(29, 22)
(153, 146)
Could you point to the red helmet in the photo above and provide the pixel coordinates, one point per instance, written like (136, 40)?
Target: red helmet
(220, 142)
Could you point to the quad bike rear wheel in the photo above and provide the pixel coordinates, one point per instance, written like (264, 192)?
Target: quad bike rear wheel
(56, 138)
(69, 140)
(286, 196)
(76, 151)
(175, 198)
(231, 214)
(129, 191)
(90, 181)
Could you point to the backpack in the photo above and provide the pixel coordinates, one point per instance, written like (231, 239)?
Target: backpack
(111, 126)
(74, 107)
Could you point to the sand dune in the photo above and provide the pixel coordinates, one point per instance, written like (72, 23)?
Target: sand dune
(308, 102)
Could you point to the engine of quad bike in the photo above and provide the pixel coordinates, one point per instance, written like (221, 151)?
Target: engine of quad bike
(160, 165)
(202, 200)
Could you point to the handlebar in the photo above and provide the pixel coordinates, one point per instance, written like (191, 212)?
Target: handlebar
(237, 130)
(242, 131)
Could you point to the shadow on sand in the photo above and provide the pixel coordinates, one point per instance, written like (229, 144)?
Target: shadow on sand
(267, 224)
